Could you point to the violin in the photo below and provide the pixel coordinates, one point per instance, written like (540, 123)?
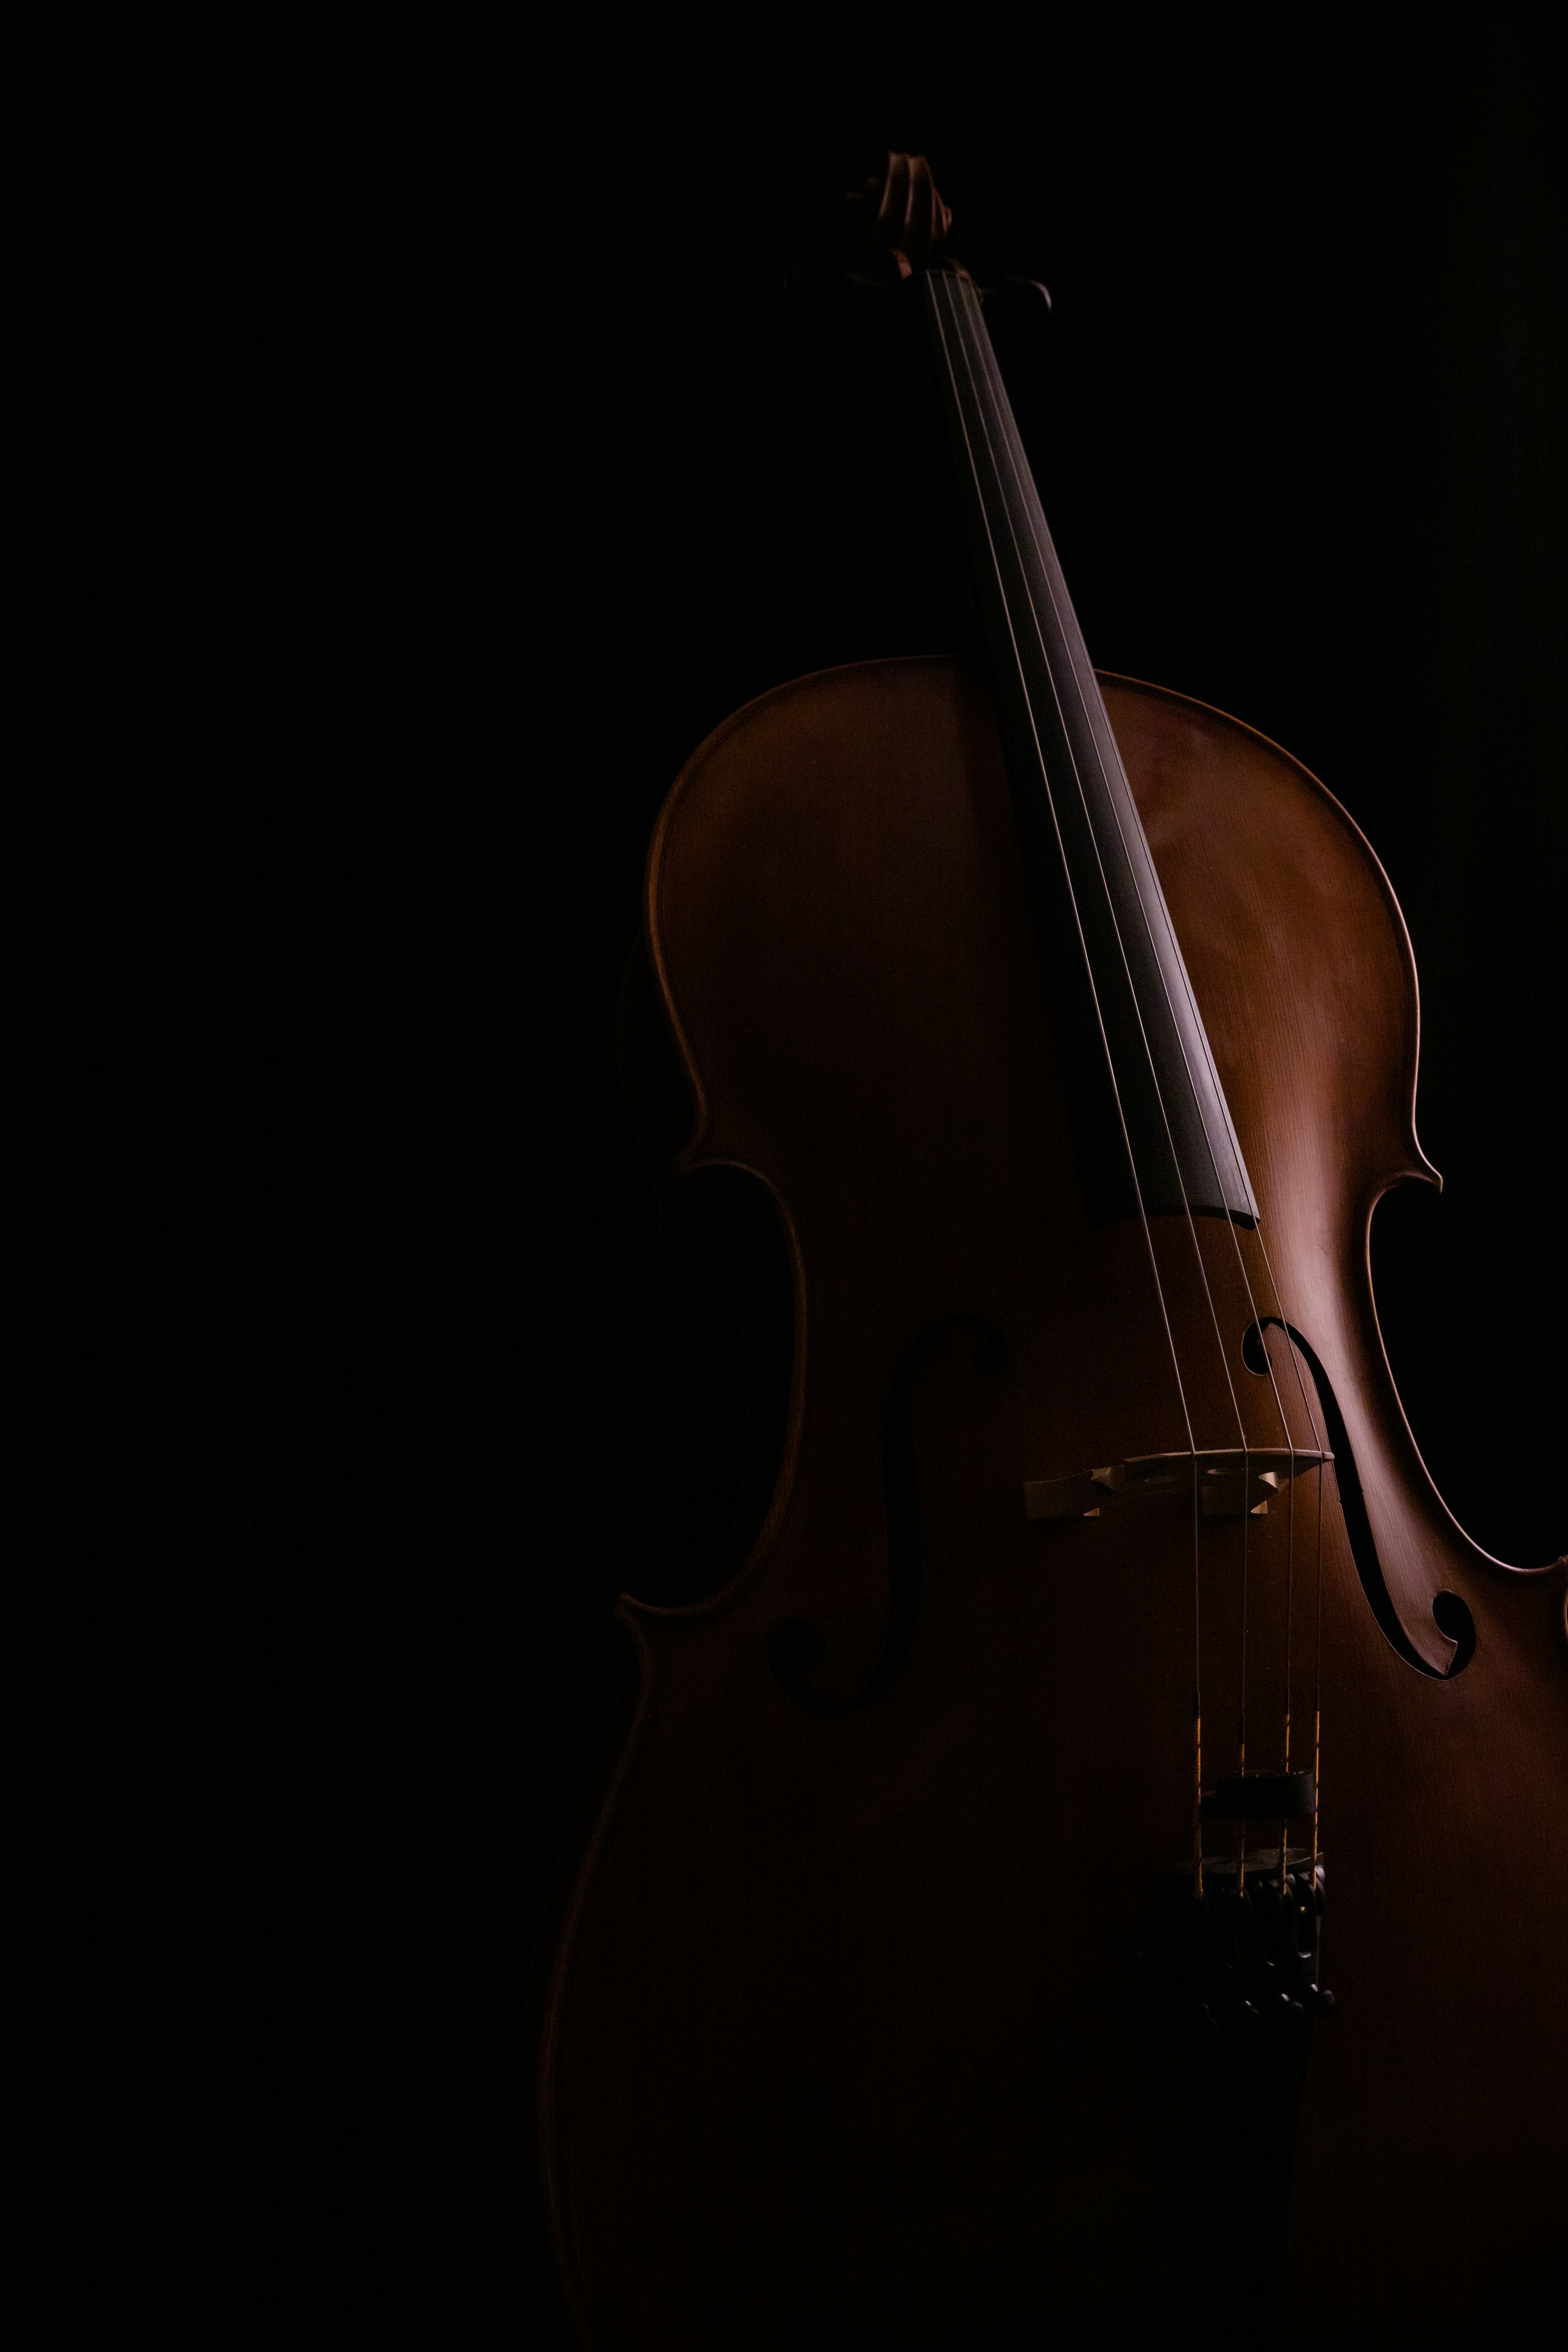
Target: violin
(1100, 1863)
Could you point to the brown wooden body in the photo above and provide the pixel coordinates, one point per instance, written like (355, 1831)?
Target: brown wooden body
(857, 2034)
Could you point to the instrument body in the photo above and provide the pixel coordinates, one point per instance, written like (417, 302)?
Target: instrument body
(917, 1984)
(857, 2032)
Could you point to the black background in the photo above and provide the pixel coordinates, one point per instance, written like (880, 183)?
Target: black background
(460, 463)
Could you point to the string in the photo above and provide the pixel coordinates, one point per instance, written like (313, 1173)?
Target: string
(1318, 1685)
(932, 280)
(1088, 694)
(1289, 1611)
(1090, 699)
(1022, 477)
(1018, 465)
(978, 339)
(1000, 408)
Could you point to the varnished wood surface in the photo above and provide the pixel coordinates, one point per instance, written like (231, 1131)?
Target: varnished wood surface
(857, 2034)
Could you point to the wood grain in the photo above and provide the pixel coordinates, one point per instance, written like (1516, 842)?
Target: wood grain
(855, 2033)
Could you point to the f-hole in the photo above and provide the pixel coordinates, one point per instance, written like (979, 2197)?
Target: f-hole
(1449, 1614)
(796, 1648)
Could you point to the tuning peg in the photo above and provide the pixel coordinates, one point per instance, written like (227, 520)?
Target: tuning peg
(901, 221)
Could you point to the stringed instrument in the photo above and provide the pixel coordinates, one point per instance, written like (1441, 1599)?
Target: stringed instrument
(1101, 1863)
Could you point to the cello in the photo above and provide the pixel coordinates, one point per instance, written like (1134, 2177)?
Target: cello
(1099, 1862)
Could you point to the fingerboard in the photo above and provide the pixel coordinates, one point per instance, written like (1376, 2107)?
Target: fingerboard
(1152, 1127)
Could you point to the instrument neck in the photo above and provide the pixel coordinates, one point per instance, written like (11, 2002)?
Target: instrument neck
(1153, 1131)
